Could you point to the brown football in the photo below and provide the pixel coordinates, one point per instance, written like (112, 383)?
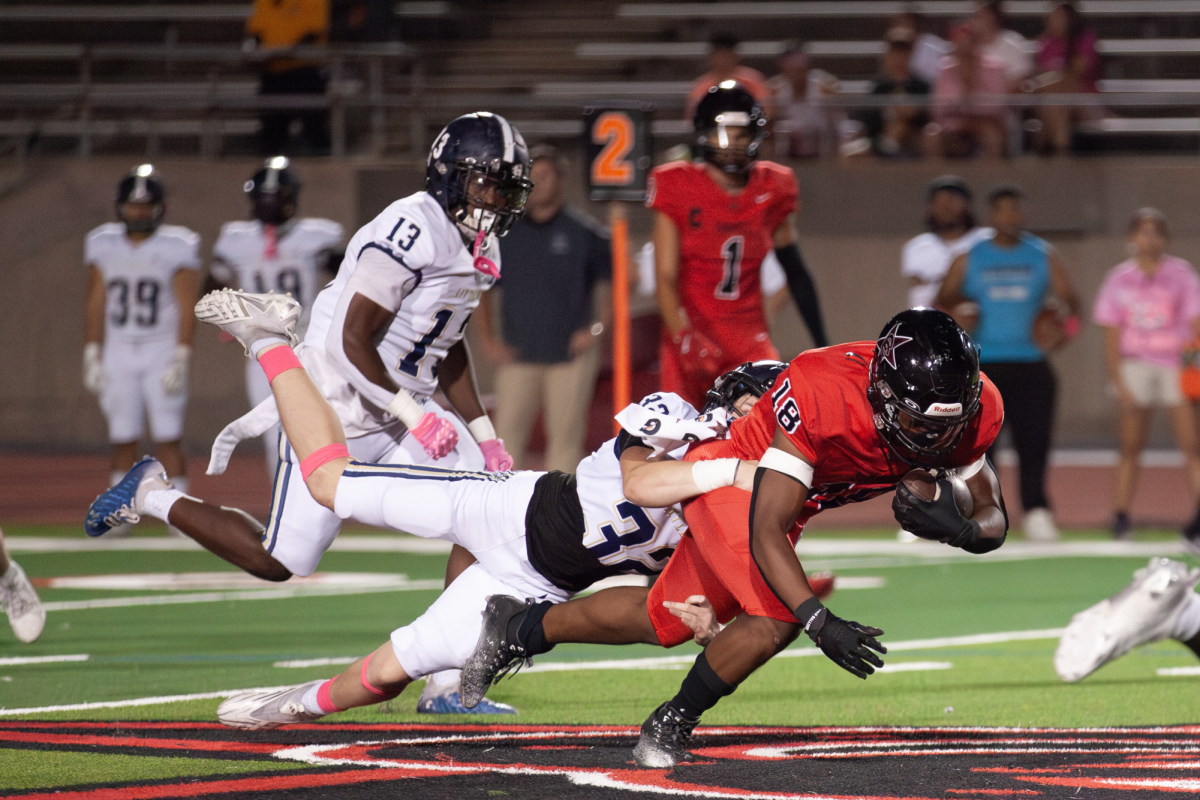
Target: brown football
(1049, 331)
(923, 485)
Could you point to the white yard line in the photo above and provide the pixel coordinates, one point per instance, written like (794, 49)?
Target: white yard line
(1175, 672)
(14, 661)
(255, 594)
(386, 543)
(140, 701)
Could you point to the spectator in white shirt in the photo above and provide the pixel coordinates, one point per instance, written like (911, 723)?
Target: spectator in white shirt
(952, 232)
(1011, 49)
(928, 48)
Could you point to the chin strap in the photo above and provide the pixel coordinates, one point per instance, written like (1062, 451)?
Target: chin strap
(484, 265)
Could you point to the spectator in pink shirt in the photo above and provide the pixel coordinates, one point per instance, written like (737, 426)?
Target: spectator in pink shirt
(1067, 63)
(966, 119)
(1150, 308)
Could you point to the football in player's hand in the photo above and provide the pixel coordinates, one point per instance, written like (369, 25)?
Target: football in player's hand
(924, 486)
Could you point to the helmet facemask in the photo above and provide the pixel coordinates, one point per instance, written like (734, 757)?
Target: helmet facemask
(752, 378)
(919, 437)
(142, 188)
(488, 201)
(732, 144)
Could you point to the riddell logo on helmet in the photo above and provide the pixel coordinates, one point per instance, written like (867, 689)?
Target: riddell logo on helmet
(944, 410)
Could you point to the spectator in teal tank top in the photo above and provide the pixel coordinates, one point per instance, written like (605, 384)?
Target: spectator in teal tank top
(1008, 282)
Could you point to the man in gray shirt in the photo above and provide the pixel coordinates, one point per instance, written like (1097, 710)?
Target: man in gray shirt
(555, 304)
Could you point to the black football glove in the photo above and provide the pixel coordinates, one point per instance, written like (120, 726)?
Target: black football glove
(940, 520)
(843, 642)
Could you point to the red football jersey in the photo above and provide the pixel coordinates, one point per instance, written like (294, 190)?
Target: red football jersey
(722, 240)
(821, 404)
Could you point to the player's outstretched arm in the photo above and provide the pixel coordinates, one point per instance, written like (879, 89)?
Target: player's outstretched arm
(660, 482)
(781, 487)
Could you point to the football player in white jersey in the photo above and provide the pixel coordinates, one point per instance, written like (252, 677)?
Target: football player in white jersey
(142, 284)
(382, 338)
(276, 250)
(545, 535)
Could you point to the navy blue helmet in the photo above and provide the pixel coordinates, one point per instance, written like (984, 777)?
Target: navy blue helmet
(728, 105)
(143, 186)
(924, 385)
(478, 170)
(274, 191)
(753, 377)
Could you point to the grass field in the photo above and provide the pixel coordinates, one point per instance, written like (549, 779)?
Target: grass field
(203, 647)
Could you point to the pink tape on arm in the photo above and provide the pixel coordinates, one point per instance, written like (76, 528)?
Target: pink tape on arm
(323, 456)
(366, 683)
(324, 700)
(277, 360)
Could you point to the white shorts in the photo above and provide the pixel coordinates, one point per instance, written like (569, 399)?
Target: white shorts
(133, 391)
(481, 511)
(1151, 384)
(300, 530)
(446, 634)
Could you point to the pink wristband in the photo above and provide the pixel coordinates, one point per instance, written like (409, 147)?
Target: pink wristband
(277, 360)
(366, 683)
(1072, 326)
(323, 456)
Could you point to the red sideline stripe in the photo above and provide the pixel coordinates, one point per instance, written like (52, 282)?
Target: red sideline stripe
(272, 784)
(130, 741)
(379, 726)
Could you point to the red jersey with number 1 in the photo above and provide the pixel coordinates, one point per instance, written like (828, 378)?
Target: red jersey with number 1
(820, 402)
(722, 241)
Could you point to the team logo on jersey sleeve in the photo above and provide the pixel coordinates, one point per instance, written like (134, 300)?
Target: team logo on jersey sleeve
(889, 343)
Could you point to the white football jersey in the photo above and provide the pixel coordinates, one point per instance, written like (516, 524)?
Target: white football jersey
(618, 532)
(301, 246)
(140, 304)
(432, 279)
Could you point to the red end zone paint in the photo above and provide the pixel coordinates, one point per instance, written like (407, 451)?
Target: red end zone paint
(541, 762)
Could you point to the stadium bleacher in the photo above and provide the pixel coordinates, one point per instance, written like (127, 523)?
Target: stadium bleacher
(118, 76)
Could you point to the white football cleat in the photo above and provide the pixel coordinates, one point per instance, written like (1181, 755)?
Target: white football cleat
(1144, 611)
(21, 604)
(262, 711)
(251, 317)
(1039, 526)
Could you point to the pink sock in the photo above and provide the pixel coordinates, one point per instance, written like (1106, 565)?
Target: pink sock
(323, 699)
(277, 360)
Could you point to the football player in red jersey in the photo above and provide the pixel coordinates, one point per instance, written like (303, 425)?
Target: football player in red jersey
(716, 219)
(841, 425)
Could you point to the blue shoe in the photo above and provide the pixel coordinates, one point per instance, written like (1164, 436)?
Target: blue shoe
(452, 704)
(118, 505)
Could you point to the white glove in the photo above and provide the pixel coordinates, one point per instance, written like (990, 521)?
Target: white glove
(93, 369)
(174, 380)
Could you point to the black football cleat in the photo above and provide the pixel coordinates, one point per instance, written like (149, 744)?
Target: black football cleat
(665, 737)
(494, 656)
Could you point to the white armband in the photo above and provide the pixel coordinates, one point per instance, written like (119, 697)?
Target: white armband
(714, 474)
(972, 469)
(788, 464)
(482, 429)
(406, 409)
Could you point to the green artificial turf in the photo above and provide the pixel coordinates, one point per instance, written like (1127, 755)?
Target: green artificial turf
(36, 769)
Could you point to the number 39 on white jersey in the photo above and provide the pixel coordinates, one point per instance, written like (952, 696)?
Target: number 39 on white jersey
(420, 270)
(140, 304)
(618, 532)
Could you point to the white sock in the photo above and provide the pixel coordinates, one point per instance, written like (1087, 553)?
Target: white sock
(114, 477)
(1187, 624)
(444, 682)
(10, 573)
(309, 700)
(257, 347)
(158, 502)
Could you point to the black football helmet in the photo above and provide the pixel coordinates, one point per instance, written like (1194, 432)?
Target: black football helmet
(924, 385)
(274, 191)
(478, 170)
(753, 377)
(143, 186)
(728, 105)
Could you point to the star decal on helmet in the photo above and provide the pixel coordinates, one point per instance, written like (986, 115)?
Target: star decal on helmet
(888, 344)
